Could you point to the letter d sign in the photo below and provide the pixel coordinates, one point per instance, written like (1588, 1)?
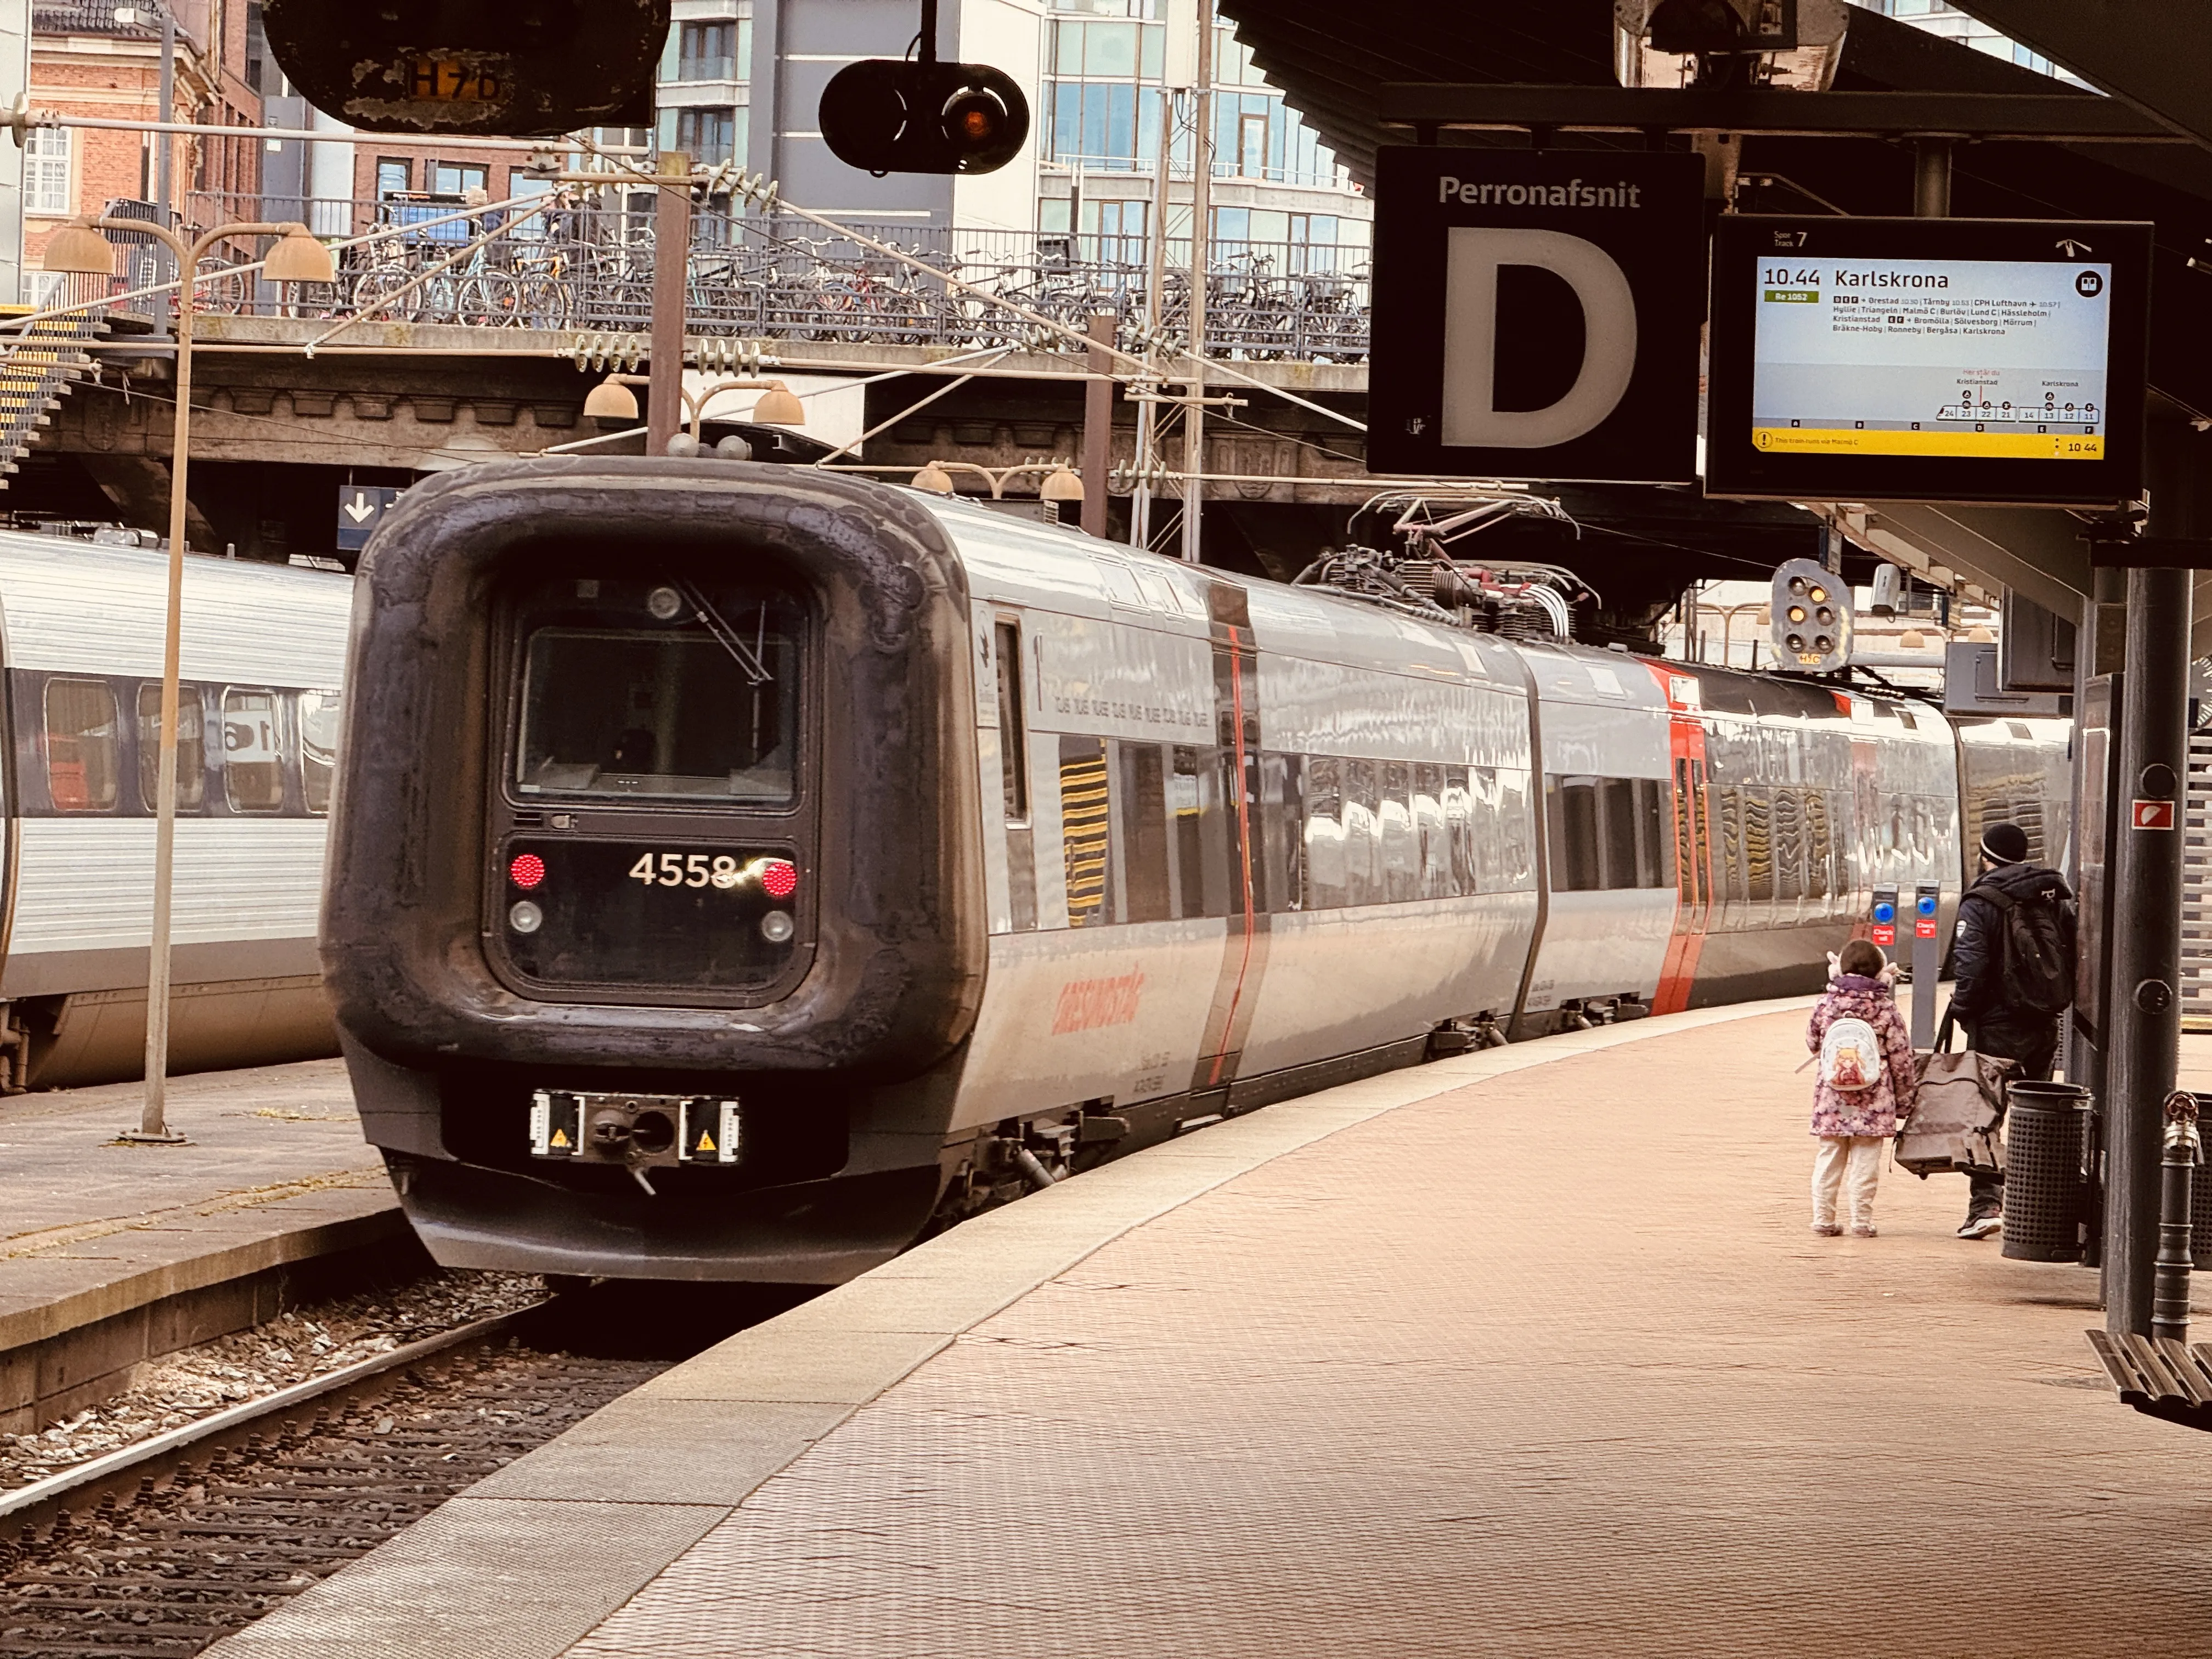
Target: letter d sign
(1624, 231)
(1472, 259)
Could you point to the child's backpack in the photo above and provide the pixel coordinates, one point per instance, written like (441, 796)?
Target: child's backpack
(1851, 1055)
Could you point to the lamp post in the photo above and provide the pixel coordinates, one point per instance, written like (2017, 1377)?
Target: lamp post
(1061, 482)
(164, 149)
(79, 248)
(779, 404)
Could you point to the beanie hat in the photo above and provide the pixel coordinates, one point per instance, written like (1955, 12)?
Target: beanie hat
(2005, 842)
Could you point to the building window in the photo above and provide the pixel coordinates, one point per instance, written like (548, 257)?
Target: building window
(458, 177)
(46, 171)
(707, 52)
(708, 135)
(393, 177)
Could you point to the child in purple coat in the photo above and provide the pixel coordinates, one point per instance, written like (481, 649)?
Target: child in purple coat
(1860, 1094)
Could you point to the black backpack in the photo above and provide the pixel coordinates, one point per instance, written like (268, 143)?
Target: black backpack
(2037, 946)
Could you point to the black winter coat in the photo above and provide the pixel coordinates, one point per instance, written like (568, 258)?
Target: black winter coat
(1980, 997)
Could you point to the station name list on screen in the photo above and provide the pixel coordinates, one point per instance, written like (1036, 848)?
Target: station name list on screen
(1932, 357)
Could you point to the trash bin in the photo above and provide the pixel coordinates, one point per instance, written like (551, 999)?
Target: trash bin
(2047, 1197)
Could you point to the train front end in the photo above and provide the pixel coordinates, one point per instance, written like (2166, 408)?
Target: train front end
(654, 903)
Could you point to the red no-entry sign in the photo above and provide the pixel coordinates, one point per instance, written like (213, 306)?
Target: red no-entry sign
(2153, 815)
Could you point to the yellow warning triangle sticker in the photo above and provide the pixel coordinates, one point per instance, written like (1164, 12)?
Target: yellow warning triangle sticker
(560, 1138)
(706, 1142)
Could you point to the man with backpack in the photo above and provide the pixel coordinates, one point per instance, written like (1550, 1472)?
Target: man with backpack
(2012, 973)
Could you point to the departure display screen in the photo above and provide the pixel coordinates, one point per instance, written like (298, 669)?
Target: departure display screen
(1929, 359)
(1932, 357)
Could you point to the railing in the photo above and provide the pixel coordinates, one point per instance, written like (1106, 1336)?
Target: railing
(587, 266)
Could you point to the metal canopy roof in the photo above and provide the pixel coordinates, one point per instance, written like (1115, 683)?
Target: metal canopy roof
(1347, 75)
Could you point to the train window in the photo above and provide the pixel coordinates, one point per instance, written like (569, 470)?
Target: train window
(1430, 834)
(1200, 847)
(1572, 803)
(658, 688)
(1145, 833)
(1282, 830)
(1788, 846)
(1729, 885)
(1401, 853)
(191, 747)
(1013, 749)
(1759, 845)
(1654, 834)
(1617, 831)
(1325, 884)
(81, 762)
(1086, 823)
(1515, 818)
(1820, 847)
(1462, 791)
(319, 746)
(253, 750)
(1364, 882)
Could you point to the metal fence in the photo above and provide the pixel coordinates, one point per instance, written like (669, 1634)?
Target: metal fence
(588, 266)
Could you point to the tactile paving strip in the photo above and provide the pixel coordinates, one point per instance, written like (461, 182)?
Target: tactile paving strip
(1548, 1366)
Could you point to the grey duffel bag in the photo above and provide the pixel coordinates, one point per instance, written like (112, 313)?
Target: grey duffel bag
(1954, 1125)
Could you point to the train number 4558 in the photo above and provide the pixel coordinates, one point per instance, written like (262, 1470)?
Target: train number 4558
(685, 870)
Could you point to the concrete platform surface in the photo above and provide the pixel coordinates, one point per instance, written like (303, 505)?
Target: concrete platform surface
(110, 1253)
(1526, 1354)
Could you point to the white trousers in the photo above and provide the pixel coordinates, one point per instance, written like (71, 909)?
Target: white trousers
(1852, 1163)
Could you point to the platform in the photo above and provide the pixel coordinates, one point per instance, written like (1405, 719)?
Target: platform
(1528, 1353)
(111, 1253)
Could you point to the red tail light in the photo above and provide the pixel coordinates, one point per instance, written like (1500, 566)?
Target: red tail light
(779, 877)
(528, 870)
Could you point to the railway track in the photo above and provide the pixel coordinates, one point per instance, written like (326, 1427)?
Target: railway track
(284, 1493)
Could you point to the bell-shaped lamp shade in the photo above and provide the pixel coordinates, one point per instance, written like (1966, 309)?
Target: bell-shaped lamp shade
(1061, 485)
(1912, 639)
(80, 250)
(1979, 634)
(933, 478)
(299, 257)
(610, 400)
(780, 406)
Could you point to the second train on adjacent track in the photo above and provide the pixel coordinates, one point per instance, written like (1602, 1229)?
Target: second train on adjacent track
(738, 871)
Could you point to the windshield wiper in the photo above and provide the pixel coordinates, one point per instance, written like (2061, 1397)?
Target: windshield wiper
(748, 658)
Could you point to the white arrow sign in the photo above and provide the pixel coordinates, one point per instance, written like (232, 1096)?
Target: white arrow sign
(360, 509)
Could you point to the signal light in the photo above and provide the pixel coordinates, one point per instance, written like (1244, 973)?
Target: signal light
(1809, 619)
(779, 877)
(526, 870)
(888, 115)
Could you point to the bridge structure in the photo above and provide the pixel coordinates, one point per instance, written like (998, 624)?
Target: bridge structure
(457, 333)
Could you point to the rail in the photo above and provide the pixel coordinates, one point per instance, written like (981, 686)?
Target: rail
(586, 264)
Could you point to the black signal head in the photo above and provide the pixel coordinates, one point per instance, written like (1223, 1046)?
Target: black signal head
(888, 115)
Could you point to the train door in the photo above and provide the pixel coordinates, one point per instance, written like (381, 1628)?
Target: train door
(1693, 836)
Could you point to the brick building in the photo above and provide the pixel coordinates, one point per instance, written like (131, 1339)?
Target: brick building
(84, 62)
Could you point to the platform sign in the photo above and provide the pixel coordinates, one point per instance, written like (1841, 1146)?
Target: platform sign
(1966, 360)
(360, 507)
(1537, 314)
(2151, 814)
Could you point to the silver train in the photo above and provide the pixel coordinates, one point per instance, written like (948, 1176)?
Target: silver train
(741, 870)
(263, 663)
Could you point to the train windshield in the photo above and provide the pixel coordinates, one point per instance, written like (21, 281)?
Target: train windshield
(659, 689)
